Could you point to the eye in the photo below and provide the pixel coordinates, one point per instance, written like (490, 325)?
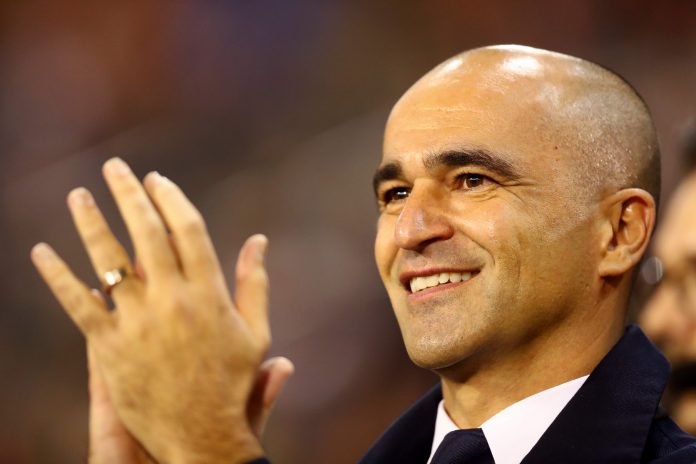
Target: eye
(395, 194)
(470, 180)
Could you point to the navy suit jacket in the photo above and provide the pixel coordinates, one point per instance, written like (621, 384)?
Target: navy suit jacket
(613, 418)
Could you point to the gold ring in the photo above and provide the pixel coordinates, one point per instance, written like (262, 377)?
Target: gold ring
(114, 277)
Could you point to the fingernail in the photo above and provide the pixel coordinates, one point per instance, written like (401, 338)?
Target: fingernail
(116, 166)
(153, 178)
(40, 252)
(80, 197)
(261, 249)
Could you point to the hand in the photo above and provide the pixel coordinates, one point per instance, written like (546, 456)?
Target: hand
(111, 442)
(178, 357)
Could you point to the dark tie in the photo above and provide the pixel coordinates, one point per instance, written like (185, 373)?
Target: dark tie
(464, 447)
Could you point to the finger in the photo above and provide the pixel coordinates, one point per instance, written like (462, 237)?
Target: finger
(144, 224)
(105, 252)
(273, 376)
(251, 292)
(279, 369)
(90, 315)
(138, 267)
(189, 233)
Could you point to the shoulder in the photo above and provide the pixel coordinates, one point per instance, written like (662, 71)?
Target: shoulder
(668, 444)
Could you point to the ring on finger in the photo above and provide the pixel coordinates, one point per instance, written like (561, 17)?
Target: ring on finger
(114, 277)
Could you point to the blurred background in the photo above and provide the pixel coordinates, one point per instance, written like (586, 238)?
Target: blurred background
(269, 115)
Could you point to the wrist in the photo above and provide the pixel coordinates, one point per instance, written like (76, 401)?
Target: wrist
(238, 448)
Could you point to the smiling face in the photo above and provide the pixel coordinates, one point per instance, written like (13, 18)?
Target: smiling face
(484, 242)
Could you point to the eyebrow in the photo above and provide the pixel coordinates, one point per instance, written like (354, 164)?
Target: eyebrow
(389, 171)
(451, 158)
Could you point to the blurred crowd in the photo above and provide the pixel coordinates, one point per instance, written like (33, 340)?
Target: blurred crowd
(269, 115)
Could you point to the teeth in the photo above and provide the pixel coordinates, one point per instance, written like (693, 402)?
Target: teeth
(432, 281)
(421, 283)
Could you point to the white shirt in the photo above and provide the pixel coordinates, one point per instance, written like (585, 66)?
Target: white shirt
(514, 431)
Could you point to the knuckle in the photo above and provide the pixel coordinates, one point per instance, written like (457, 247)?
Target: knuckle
(194, 225)
(88, 324)
(128, 189)
(258, 278)
(94, 233)
(151, 232)
(140, 207)
(59, 279)
(74, 301)
(148, 231)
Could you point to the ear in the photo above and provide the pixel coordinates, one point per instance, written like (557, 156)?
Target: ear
(629, 218)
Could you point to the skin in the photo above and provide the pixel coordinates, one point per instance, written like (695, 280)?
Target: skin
(685, 412)
(552, 262)
(669, 317)
(176, 372)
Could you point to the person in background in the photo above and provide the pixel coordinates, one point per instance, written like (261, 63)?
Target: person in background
(669, 315)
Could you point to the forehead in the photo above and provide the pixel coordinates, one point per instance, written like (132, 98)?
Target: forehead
(485, 107)
(676, 239)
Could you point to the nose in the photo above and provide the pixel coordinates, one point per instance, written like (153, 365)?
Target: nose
(423, 219)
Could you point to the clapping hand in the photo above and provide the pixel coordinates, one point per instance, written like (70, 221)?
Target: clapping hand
(176, 371)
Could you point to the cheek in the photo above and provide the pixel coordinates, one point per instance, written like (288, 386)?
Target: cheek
(556, 261)
(513, 240)
(497, 230)
(385, 248)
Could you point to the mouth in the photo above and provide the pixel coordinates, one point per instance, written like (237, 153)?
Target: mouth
(417, 282)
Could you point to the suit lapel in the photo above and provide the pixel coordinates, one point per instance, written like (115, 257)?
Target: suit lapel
(608, 419)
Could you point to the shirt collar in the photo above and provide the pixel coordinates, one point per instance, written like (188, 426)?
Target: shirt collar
(614, 408)
(514, 431)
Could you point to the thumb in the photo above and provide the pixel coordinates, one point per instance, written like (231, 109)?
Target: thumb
(251, 292)
(273, 375)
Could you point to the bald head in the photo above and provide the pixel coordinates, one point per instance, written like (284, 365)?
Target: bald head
(596, 125)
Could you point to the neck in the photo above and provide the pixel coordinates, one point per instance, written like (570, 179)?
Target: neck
(476, 390)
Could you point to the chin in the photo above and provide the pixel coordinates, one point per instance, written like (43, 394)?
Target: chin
(435, 354)
(443, 337)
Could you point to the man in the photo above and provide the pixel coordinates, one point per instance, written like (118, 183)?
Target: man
(669, 316)
(517, 193)
(533, 175)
